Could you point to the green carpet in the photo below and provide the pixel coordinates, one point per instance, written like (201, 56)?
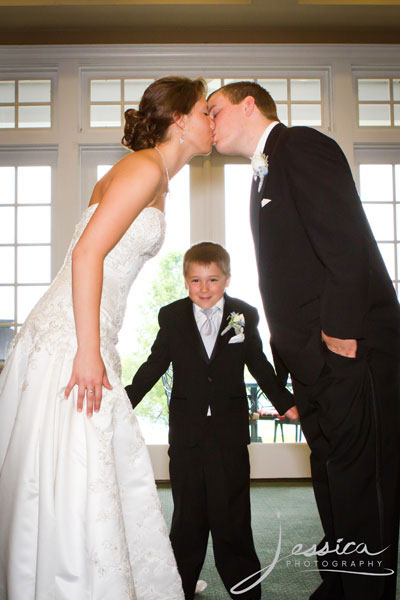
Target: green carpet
(295, 503)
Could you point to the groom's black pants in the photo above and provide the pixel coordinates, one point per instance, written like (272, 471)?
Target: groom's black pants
(351, 420)
(210, 486)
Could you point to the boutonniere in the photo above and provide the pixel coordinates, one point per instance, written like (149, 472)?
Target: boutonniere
(235, 321)
(259, 162)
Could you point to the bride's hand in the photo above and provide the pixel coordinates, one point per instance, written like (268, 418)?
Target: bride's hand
(89, 374)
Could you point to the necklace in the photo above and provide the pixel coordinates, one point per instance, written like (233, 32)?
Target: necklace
(165, 165)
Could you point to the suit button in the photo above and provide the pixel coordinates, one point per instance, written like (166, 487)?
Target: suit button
(209, 379)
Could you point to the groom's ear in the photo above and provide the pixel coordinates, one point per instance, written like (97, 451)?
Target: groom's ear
(249, 104)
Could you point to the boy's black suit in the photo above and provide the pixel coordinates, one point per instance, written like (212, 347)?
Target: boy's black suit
(320, 269)
(200, 382)
(209, 463)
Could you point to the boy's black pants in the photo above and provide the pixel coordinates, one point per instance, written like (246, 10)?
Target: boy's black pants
(211, 492)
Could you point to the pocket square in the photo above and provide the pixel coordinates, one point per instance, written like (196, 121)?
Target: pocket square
(265, 201)
(237, 339)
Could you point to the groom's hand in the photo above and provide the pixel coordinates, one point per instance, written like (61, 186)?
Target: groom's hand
(344, 347)
(292, 413)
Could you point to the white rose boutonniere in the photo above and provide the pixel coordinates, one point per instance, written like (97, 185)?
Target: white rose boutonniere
(235, 321)
(259, 163)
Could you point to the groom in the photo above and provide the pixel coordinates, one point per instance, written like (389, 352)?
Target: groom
(334, 322)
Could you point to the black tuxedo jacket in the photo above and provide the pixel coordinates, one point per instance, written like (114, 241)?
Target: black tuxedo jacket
(319, 265)
(199, 381)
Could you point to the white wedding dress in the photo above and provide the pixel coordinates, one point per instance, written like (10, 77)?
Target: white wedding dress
(80, 517)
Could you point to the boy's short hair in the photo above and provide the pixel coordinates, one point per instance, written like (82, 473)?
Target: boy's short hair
(206, 253)
(239, 90)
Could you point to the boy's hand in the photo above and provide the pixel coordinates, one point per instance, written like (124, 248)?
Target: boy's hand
(292, 413)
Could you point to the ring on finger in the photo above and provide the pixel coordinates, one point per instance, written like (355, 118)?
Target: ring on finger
(90, 391)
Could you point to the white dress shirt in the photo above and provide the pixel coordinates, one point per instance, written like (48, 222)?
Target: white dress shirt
(200, 318)
(263, 139)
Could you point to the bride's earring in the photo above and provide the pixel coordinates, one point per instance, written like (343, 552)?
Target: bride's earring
(182, 138)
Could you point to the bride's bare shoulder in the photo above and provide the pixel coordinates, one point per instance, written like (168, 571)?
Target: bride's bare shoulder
(142, 164)
(141, 159)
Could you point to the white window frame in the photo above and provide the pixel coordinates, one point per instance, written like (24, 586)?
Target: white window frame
(312, 72)
(374, 154)
(365, 72)
(324, 74)
(32, 156)
(11, 74)
(87, 75)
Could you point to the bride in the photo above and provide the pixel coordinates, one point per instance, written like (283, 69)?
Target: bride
(80, 517)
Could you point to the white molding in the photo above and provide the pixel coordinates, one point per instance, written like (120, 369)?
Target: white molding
(99, 147)
(24, 70)
(377, 153)
(201, 56)
(376, 70)
(28, 147)
(29, 154)
(390, 147)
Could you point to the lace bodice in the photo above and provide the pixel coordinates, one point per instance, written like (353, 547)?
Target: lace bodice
(51, 322)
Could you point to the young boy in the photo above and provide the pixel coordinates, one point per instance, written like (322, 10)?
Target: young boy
(209, 338)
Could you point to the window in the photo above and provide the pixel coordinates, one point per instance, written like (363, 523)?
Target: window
(25, 240)
(25, 103)
(378, 102)
(380, 195)
(110, 98)
(298, 100)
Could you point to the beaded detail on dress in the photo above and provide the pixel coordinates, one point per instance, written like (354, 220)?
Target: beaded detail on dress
(80, 514)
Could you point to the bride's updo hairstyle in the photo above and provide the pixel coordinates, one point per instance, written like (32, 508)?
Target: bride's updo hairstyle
(162, 102)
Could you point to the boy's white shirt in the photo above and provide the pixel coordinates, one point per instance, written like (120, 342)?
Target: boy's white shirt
(200, 318)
